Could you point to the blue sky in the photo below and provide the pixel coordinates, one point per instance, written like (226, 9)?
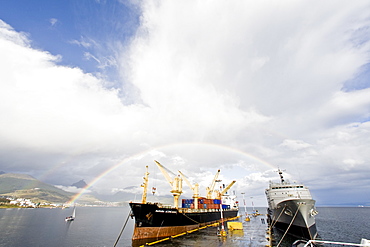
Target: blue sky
(81, 31)
(240, 86)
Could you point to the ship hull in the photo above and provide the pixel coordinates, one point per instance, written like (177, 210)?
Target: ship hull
(296, 217)
(152, 221)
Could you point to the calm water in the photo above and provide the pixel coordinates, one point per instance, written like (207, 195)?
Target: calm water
(46, 227)
(344, 224)
(101, 226)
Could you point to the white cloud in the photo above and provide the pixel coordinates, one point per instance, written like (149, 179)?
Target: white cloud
(44, 102)
(71, 189)
(295, 144)
(8, 33)
(84, 42)
(53, 21)
(89, 56)
(346, 107)
(237, 80)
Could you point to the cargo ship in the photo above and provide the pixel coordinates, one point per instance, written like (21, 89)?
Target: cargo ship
(291, 208)
(156, 220)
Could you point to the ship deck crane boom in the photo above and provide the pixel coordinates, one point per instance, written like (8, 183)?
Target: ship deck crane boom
(227, 188)
(194, 188)
(210, 189)
(176, 183)
(145, 186)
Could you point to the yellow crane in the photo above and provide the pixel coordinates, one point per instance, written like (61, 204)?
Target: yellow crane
(176, 184)
(210, 190)
(194, 188)
(223, 192)
(145, 186)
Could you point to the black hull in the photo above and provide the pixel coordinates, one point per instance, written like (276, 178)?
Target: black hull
(152, 221)
(295, 218)
(297, 231)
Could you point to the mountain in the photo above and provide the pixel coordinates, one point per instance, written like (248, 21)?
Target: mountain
(80, 184)
(10, 182)
(26, 186)
(122, 196)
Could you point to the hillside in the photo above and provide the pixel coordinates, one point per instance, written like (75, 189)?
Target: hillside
(10, 182)
(26, 186)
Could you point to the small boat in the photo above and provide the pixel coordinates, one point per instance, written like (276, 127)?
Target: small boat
(72, 217)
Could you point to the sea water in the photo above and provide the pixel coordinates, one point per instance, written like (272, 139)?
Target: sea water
(343, 224)
(101, 226)
(93, 226)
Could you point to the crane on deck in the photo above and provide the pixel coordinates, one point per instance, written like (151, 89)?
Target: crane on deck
(145, 186)
(194, 188)
(210, 190)
(176, 183)
(223, 192)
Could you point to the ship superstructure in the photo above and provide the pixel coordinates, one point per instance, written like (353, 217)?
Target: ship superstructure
(291, 208)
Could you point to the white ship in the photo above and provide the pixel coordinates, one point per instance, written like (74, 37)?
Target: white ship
(291, 208)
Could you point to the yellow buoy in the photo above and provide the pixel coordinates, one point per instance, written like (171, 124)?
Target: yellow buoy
(223, 233)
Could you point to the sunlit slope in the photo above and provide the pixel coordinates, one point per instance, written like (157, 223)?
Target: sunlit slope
(26, 186)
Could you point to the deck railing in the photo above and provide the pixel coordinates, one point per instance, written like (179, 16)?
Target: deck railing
(311, 243)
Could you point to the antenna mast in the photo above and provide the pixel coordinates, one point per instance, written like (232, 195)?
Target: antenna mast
(281, 175)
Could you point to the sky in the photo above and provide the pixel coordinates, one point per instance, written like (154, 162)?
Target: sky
(97, 90)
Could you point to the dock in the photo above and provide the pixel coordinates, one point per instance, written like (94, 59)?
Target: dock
(251, 233)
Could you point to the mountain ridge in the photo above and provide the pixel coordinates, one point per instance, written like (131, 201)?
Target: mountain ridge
(17, 175)
(26, 186)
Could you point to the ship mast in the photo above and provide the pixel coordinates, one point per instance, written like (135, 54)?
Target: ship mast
(175, 183)
(145, 186)
(281, 175)
(194, 188)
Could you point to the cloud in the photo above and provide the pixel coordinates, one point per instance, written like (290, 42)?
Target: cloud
(347, 107)
(53, 21)
(132, 189)
(89, 56)
(295, 144)
(44, 102)
(8, 33)
(71, 189)
(246, 86)
(86, 42)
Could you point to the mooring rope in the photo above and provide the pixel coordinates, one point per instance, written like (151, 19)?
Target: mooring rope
(190, 218)
(159, 228)
(275, 221)
(119, 236)
(291, 222)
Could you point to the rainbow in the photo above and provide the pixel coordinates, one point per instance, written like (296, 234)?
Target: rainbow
(148, 151)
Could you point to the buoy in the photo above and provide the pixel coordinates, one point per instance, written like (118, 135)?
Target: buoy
(223, 233)
(247, 218)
